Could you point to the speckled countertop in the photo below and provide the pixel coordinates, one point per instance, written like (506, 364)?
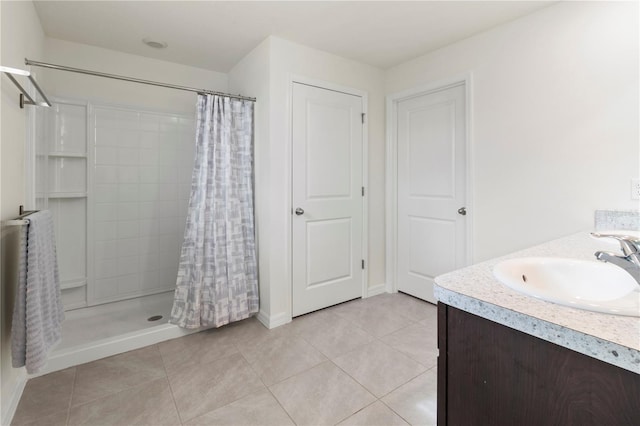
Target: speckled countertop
(611, 338)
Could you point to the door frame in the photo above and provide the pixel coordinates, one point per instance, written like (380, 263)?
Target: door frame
(292, 79)
(391, 178)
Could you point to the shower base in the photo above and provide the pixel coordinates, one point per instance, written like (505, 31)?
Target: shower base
(100, 331)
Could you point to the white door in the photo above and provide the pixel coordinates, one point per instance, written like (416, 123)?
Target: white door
(431, 189)
(327, 198)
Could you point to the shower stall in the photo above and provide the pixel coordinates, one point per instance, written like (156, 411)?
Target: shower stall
(117, 180)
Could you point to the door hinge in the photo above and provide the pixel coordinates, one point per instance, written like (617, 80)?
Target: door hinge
(363, 114)
(363, 191)
(362, 263)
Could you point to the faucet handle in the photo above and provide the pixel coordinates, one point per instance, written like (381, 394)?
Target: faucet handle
(629, 245)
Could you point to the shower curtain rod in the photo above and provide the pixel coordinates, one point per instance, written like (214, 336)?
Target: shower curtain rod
(133, 80)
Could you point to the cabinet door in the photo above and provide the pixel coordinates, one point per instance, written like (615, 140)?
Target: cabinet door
(494, 375)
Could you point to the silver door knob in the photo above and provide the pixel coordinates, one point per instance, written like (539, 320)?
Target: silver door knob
(462, 211)
(299, 211)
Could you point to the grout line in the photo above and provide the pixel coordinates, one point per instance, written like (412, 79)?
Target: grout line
(353, 414)
(173, 398)
(355, 380)
(73, 388)
(281, 406)
(296, 374)
(394, 411)
(312, 346)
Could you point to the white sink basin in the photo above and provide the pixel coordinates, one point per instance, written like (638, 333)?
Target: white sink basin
(582, 284)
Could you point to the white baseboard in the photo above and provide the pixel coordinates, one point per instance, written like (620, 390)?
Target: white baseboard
(273, 321)
(14, 397)
(376, 290)
(390, 288)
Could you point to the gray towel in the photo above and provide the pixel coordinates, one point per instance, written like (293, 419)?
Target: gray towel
(38, 311)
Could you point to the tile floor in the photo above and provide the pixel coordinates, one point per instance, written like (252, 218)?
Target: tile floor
(364, 362)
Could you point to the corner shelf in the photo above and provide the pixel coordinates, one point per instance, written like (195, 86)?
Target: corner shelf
(63, 154)
(58, 195)
(73, 283)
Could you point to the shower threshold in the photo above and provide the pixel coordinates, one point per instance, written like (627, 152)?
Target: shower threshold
(100, 331)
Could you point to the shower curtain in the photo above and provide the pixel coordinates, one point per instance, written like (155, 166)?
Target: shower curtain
(218, 276)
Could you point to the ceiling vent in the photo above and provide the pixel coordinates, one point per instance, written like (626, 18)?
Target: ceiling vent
(155, 44)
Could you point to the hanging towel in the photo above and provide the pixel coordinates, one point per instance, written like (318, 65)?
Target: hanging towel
(38, 311)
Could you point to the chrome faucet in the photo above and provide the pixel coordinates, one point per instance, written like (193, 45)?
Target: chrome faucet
(629, 261)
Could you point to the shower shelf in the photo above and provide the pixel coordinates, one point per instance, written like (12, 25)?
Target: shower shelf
(67, 195)
(68, 154)
(73, 283)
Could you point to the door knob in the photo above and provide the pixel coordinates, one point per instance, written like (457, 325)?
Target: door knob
(299, 211)
(462, 211)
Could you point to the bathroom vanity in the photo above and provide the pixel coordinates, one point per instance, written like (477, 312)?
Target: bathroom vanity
(506, 358)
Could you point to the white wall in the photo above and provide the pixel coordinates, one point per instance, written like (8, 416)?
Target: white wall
(278, 60)
(67, 84)
(555, 119)
(21, 35)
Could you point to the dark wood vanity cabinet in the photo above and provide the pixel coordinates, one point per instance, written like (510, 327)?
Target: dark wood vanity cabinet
(489, 374)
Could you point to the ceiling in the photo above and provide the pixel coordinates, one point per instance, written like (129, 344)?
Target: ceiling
(215, 35)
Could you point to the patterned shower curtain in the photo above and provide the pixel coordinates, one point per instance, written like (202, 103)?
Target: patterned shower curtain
(218, 276)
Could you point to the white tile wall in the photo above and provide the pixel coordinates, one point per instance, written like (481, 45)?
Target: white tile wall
(142, 174)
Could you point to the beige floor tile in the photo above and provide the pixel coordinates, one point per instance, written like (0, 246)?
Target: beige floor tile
(249, 329)
(44, 396)
(281, 357)
(254, 338)
(212, 382)
(323, 395)
(257, 409)
(347, 308)
(106, 376)
(407, 306)
(330, 334)
(55, 419)
(377, 414)
(373, 317)
(416, 401)
(379, 368)
(147, 404)
(431, 322)
(305, 324)
(207, 387)
(196, 349)
(418, 341)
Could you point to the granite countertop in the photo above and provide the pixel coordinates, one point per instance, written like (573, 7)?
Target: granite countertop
(614, 339)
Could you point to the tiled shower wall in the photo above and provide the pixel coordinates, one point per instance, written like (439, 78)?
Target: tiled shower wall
(141, 182)
(117, 181)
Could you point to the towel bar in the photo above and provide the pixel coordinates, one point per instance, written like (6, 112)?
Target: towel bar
(25, 97)
(20, 220)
